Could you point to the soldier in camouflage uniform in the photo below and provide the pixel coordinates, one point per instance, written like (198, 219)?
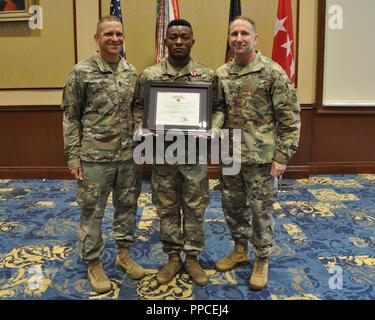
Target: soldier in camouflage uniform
(98, 140)
(256, 96)
(181, 186)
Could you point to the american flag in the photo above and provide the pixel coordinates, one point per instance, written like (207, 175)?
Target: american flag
(115, 10)
(167, 10)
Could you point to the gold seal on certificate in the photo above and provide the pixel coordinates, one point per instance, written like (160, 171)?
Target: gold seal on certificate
(174, 105)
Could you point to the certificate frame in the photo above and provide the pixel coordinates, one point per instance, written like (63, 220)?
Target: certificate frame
(157, 91)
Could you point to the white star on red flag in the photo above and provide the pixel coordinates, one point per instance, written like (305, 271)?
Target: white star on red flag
(283, 44)
(288, 46)
(280, 25)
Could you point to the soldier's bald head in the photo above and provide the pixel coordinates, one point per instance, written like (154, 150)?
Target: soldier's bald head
(244, 18)
(99, 26)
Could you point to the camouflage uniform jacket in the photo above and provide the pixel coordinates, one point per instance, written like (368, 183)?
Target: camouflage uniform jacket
(164, 71)
(259, 99)
(98, 124)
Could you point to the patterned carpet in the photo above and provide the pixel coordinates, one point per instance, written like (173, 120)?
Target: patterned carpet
(325, 245)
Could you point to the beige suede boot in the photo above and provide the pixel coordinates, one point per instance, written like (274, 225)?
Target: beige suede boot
(125, 262)
(259, 276)
(194, 269)
(168, 272)
(98, 279)
(239, 256)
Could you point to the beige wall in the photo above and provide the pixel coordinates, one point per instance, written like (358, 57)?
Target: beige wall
(87, 12)
(308, 36)
(139, 22)
(52, 49)
(38, 58)
(210, 23)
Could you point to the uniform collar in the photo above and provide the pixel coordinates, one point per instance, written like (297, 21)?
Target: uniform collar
(168, 69)
(255, 66)
(104, 66)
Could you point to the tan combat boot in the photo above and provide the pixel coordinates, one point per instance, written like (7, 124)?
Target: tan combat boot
(125, 262)
(238, 257)
(259, 277)
(167, 273)
(193, 268)
(98, 279)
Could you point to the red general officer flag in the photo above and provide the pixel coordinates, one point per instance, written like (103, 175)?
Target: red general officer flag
(283, 44)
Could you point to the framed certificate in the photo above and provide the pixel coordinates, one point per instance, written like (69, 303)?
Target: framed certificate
(176, 105)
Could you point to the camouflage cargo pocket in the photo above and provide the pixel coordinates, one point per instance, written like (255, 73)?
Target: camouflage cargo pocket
(87, 196)
(82, 243)
(164, 193)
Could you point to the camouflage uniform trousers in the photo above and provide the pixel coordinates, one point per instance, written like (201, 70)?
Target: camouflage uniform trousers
(121, 177)
(177, 187)
(247, 200)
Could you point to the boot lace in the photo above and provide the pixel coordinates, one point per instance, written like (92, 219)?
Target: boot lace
(98, 272)
(261, 263)
(233, 256)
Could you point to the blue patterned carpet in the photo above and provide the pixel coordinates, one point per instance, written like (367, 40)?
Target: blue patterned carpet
(325, 245)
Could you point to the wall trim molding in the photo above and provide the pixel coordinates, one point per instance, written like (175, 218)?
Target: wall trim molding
(100, 9)
(34, 173)
(308, 106)
(293, 172)
(342, 168)
(75, 31)
(55, 107)
(296, 41)
(360, 111)
(28, 89)
(30, 108)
